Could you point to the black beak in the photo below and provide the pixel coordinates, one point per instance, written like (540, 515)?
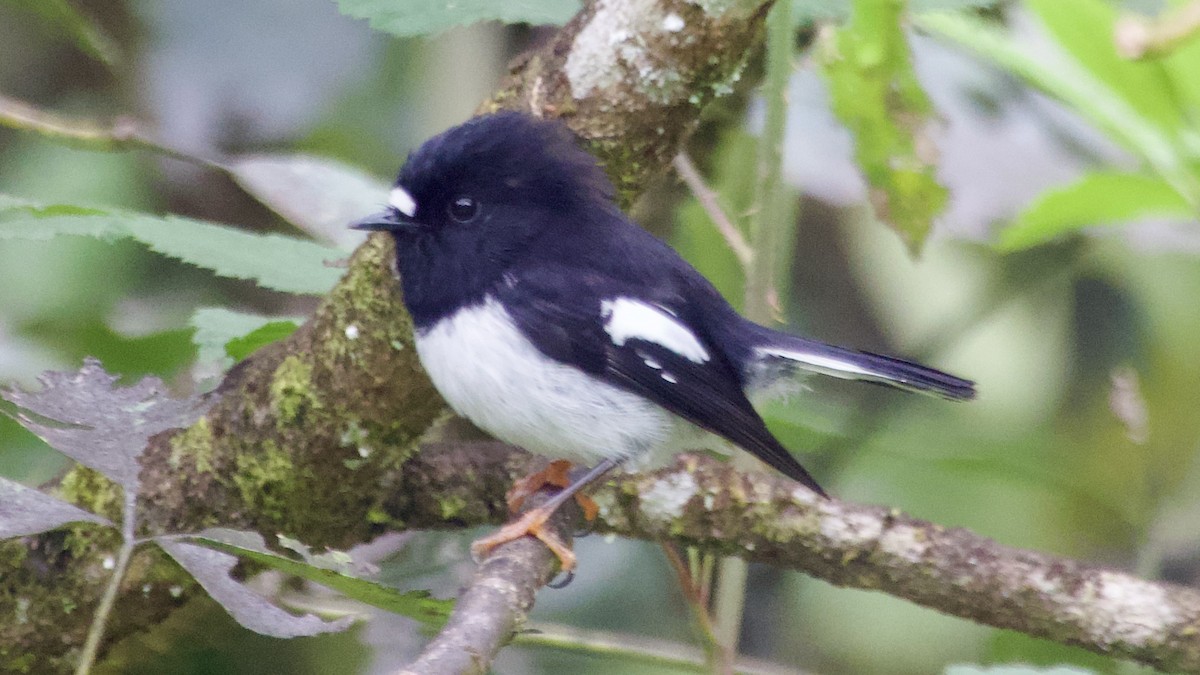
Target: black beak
(390, 220)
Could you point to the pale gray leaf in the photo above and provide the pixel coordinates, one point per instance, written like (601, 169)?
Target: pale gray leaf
(211, 568)
(85, 417)
(319, 195)
(24, 510)
(335, 570)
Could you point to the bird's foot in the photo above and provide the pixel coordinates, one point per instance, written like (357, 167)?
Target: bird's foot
(556, 474)
(532, 523)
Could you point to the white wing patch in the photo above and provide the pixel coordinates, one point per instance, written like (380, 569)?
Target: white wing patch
(403, 202)
(822, 364)
(626, 319)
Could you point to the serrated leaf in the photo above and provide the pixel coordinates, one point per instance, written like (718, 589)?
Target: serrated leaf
(319, 195)
(24, 510)
(407, 18)
(211, 568)
(1095, 199)
(329, 571)
(272, 261)
(875, 93)
(85, 417)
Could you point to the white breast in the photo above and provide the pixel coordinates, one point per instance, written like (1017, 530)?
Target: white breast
(492, 375)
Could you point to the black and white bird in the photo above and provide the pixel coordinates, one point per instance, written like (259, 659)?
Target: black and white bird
(550, 320)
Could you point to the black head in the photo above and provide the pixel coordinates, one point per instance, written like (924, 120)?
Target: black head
(470, 201)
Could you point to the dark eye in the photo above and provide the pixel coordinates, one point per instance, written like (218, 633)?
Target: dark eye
(463, 209)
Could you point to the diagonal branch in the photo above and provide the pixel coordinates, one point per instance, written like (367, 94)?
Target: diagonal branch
(767, 519)
(494, 607)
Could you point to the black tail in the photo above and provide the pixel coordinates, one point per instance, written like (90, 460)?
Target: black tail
(781, 355)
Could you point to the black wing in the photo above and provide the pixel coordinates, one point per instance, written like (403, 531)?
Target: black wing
(560, 310)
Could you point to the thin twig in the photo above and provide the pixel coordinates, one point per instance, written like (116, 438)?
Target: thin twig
(122, 133)
(91, 647)
(493, 607)
(708, 201)
(696, 596)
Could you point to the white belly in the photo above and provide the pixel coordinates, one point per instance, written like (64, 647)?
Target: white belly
(492, 375)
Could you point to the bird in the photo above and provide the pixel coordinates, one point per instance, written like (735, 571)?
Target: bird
(549, 319)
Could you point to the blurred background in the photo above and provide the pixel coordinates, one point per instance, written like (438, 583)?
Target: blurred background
(1082, 442)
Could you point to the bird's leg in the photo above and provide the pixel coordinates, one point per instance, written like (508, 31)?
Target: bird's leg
(533, 522)
(556, 474)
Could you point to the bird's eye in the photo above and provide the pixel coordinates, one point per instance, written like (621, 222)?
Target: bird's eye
(463, 209)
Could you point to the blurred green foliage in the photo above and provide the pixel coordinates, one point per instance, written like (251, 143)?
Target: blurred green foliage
(1084, 438)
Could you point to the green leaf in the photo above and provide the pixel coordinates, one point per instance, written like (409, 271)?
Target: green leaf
(406, 18)
(1095, 199)
(240, 348)
(1085, 28)
(805, 12)
(82, 30)
(1069, 82)
(272, 261)
(876, 95)
(418, 605)
(319, 195)
(1182, 65)
(221, 332)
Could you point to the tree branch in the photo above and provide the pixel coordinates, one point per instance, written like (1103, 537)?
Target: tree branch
(766, 518)
(495, 605)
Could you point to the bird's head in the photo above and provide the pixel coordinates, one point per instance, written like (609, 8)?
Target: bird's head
(469, 201)
(495, 177)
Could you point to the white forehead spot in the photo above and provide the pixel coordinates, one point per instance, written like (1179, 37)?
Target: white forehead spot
(403, 202)
(626, 319)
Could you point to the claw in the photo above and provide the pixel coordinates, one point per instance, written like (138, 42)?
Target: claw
(561, 581)
(531, 523)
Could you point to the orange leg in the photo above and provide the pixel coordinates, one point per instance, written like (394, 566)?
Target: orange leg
(556, 474)
(533, 522)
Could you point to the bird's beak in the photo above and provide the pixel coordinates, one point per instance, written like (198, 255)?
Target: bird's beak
(390, 220)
